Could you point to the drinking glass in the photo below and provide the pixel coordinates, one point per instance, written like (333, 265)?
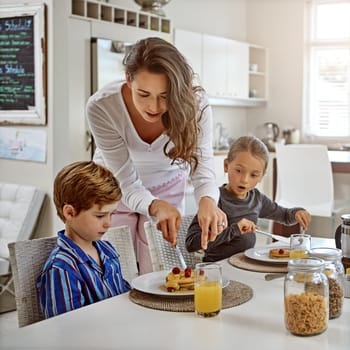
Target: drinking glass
(300, 245)
(207, 289)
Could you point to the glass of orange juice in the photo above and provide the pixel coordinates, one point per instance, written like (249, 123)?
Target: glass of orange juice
(207, 289)
(300, 245)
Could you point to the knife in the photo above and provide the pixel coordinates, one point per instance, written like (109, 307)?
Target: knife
(276, 237)
(181, 257)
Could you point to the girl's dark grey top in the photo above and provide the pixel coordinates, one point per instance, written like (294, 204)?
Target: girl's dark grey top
(231, 241)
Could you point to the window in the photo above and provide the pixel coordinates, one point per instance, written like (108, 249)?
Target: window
(327, 112)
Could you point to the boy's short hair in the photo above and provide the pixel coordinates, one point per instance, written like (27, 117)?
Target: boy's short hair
(83, 184)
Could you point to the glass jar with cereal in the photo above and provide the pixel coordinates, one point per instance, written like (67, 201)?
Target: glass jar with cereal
(334, 271)
(306, 305)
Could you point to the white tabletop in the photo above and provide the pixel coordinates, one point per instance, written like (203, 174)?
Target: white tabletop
(118, 323)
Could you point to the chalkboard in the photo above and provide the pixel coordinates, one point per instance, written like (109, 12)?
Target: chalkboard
(22, 65)
(17, 85)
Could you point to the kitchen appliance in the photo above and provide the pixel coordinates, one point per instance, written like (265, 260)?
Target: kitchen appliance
(271, 131)
(342, 235)
(291, 136)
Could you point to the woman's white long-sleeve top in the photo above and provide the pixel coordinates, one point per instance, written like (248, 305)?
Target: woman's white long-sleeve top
(136, 164)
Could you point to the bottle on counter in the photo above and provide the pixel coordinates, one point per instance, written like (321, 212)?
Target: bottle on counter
(334, 271)
(306, 303)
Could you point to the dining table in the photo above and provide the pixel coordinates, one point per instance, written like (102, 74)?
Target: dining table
(119, 323)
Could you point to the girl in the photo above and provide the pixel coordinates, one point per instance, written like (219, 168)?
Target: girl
(243, 204)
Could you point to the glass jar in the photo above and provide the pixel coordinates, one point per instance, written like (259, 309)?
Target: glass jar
(334, 271)
(306, 297)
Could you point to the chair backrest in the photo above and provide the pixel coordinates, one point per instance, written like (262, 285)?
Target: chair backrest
(20, 208)
(304, 178)
(120, 237)
(27, 258)
(163, 256)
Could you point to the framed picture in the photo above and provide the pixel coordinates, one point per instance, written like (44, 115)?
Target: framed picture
(22, 65)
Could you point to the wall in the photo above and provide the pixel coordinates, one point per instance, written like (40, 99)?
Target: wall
(29, 173)
(278, 25)
(68, 79)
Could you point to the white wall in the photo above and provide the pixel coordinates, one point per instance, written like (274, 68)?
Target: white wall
(68, 81)
(278, 25)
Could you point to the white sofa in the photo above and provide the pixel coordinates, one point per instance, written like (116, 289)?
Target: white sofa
(20, 207)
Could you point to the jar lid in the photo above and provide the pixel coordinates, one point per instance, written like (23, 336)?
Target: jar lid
(346, 219)
(306, 264)
(326, 253)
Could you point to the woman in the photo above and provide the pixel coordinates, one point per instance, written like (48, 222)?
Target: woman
(152, 130)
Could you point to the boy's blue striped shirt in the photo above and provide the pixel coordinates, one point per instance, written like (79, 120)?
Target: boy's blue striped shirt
(71, 279)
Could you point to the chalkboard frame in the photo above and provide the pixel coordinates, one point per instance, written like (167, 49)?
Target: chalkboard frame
(36, 115)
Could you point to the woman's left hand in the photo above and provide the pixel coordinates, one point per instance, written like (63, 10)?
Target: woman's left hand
(211, 219)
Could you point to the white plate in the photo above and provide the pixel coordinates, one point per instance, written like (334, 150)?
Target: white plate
(262, 254)
(153, 283)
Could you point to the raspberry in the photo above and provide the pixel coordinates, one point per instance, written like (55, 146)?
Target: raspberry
(171, 289)
(188, 272)
(281, 251)
(176, 270)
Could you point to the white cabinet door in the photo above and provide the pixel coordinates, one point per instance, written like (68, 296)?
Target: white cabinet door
(190, 45)
(237, 69)
(214, 65)
(222, 66)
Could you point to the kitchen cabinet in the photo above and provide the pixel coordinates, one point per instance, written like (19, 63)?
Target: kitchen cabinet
(237, 67)
(224, 65)
(214, 65)
(190, 45)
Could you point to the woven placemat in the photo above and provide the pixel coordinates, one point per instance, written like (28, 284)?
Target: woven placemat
(241, 261)
(234, 294)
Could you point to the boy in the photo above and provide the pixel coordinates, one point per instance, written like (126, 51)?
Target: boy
(243, 204)
(82, 269)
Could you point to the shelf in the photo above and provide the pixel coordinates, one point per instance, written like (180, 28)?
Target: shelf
(258, 73)
(236, 102)
(95, 10)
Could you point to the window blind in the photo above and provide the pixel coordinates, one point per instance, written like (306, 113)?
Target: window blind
(329, 69)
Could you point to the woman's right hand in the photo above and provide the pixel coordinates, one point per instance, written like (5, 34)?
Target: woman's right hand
(168, 219)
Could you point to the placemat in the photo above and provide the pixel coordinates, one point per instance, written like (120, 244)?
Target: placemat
(241, 261)
(234, 294)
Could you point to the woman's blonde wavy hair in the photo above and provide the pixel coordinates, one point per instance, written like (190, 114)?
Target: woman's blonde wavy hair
(181, 119)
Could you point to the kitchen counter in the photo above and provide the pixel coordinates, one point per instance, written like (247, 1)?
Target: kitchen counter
(220, 152)
(340, 161)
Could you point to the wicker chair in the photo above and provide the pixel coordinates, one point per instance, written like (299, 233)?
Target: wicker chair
(163, 256)
(120, 237)
(28, 257)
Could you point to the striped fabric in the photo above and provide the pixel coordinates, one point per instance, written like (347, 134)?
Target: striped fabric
(71, 279)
